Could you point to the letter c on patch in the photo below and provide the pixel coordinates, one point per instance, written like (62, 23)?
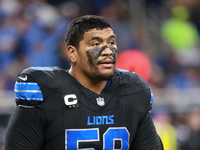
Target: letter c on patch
(70, 99)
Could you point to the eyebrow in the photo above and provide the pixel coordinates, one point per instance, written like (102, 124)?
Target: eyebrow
(112, 36)
(95, 38)
(98, 38)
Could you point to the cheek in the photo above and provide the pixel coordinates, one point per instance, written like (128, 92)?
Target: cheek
(90, 57)
(114, 50)
(93, 54)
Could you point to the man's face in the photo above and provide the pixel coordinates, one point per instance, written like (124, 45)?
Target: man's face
(97, 53)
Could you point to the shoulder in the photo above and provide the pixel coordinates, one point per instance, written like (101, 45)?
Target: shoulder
(134, 84)
(132, 79)
(28, 91)
(42, 75)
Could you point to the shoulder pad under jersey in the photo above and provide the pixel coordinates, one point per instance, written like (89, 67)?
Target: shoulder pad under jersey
(132, 79)
(135, 82)
(28, 85)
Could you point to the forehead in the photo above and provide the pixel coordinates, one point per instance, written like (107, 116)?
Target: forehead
(104, 33)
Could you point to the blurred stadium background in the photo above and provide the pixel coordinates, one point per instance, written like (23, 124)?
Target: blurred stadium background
(165, 35)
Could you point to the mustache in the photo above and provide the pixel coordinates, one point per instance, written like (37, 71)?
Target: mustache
(106, 58)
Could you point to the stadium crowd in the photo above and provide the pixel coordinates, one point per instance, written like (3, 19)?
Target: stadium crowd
(166, 31)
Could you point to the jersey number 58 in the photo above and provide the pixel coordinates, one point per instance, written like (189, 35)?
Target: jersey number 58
(75, 136)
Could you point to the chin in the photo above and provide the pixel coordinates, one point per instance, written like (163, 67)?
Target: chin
(105, 75)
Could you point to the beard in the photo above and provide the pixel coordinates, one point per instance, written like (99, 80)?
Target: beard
(104, 75)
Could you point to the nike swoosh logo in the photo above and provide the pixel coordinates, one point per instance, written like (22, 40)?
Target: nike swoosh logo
(23, 78)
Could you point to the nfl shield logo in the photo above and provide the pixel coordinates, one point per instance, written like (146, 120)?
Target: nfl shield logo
(100, 101)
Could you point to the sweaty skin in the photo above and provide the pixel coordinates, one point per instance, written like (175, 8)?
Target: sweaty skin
(94, 54)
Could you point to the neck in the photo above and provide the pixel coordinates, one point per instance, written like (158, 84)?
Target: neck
(94, 85)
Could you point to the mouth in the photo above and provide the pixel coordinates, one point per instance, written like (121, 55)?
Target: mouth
(108, 63)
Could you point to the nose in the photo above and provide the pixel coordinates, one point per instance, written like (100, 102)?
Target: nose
(106, 52)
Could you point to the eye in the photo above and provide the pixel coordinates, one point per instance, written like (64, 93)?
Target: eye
(112, 43)
(95, 44)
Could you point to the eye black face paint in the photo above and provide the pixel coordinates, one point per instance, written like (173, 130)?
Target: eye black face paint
(94, 59)
(94, 54)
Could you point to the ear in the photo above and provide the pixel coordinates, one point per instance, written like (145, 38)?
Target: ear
(72, 53)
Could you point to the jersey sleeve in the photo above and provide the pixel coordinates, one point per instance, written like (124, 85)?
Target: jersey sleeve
(26, 129)
(151, 99)
(27, 93)
(29, 84)
(145, 86)
(146, 136)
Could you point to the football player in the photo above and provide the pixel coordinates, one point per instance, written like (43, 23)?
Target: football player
(91, 106)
